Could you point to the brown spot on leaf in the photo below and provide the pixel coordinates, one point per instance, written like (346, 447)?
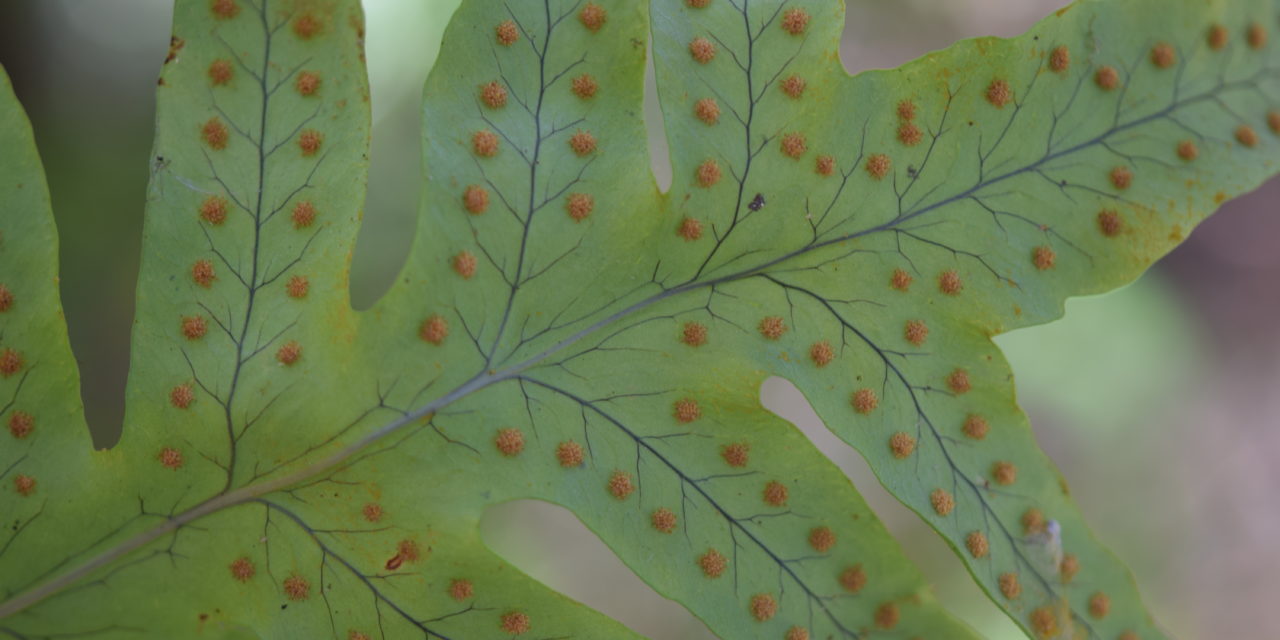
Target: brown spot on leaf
(793, 85)
(306, 26)
(902, 445)
(975, 427)
(998, 93)
(1163, 55)
(958, 381)
(713, 563)
(584, 86)
(942, 501)
(694, 334)
(736, 454)
(1099, 605)
(10, 362)
(1043, 257)
(307, 84)
(825, 165)
(514, 622)
(460, 589)
(510, 442)
(797, 633)
(297, 588)
(621, 485)
(21, 424)
(1110, 223)
(687, 410)
(507, 33)
(593, 16)
(181, 396)
(864, 401)
(289, 353)
(309, 141)
(475, 199)
(1246, 136)
(853, 579)
(822, 539)
(821, 353)
(582, 143)
(1060, 59)
(707, 111)
(434, 329)
(907, 110)
(224, 9)
(1107, 78)
(1273, 122)
(702, 50)
(1069, 567)
(202, 273)
(763, 607)
(220, 72)
(25, 485)
(464, 264)
(887, 615)
(772, 327)
(1033, 521)
(6, 298)
(171, 458)
(909, 134)
(916, 332)
(579, 206)
(1187, 150)
(690, 229)
(793, 145)
(1256, 35)
(194, 327)
(976, 543)
(1044, 622)
(1004, 473)
(1121, 177)
(371, 511)
(708, 173)
(776, 494)
(297, 286)
(570, 454)
(242, 569)
(794, 21)
(1217, 37)
(878, 165)
(215, 133)
(900, 280)
(664, 520)
(949, 282)
(484, 143)
(1009, 585)
(304, 214)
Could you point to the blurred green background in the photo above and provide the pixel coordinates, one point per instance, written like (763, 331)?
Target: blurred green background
(1158, 401)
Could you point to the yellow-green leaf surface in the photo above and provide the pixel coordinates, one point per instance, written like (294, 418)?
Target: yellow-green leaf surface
(563, 331)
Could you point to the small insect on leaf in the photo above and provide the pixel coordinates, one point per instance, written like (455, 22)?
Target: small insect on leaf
(757, 203)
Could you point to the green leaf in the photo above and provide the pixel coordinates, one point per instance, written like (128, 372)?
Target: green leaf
(564, 332)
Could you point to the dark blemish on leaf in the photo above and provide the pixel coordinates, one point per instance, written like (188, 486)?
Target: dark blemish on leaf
(902, 445)
(297, 287)
(822, 539)
(793, 86)
(371, 511)
(793, 145)
(620, 485)
(916, 332)
(713, 563)
(1110, 223)
(887, 616)
(694, 334)
(708, 173)
(304, 214)
(592, 16)
(949, 282)
(1099, 605)
(434, 329)
(1044, 622)
(998, 93)
(776, 494)
(1069, 567)
(1060, 59)
(307, 84)
(1043, 257)
(584, 86)
(582, 143)
(1246, 136)
(202, 273)
(772, 327)
(1009, 585)
(1107, 78)
(664, 520)
(1256, 35)
(464, 264)
(737, 454)
(1121, 177)
(21, 424)
(1004, 473)
(182, 396)
(794, 21)
(408, 551)
(289, 353)
(686, 410)
(493, 95)
(296, 588)
(763, 607)
(194, 327)
(10, 362)
(507, 33)
(975, 427)
(864, 401)
(707, 111)
(853, 579)
(569, 454)
(214, 133)
(910, 135)
(475, 199)
(309, 141)
(757, 203)
(461, 589)
(25, 485)
(821, 353)
(958, 381)
(976, 543)
(1163, 56)
(942, 501)
(214, 210)
(171, 458)
(1187, 150)
(220, 72)
(509, 442)
(702, 50)
(579, 206)
(306, 26)
(1217, 37)
(224, 9)
(242, 569)
(825, 165)
(690, 229)
(878, 165)
(484, 143)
